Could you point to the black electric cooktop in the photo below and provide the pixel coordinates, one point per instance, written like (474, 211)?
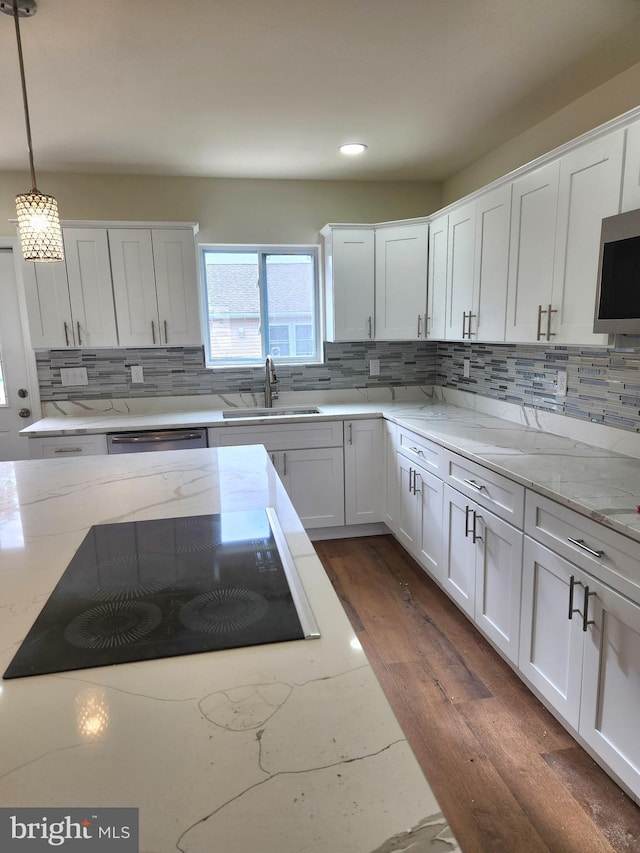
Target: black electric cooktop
(140, 590)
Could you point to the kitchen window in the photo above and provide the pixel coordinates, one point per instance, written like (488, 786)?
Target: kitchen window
(259, 302)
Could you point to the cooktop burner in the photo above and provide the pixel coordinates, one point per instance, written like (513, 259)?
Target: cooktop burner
(149, 589)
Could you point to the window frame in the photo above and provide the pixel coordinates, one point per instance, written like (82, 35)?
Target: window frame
(262, 251)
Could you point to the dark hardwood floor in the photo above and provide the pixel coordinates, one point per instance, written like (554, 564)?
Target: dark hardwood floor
(509, 778)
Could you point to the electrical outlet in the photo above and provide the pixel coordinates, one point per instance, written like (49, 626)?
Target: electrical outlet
(374, 367)
(73, 376)
(561, 384)
(137, 374)
(466, 367)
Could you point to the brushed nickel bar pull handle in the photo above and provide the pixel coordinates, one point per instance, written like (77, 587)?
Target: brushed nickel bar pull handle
(79, 335)
(370, 326)
(350, 433)
(419, 324)
(579, 543)
(473, 485)
(550, 311)
(416, 490)
(539, 329)
(467, 511)
(474, 532)
(585, 616)
(153, 331)
(416, 450)
(464, 324)
(410, 485)
(573, 583)
(68, 450)
(166, 335)
(167, 435)
(284, 464)
(66, 332)
(469, 332)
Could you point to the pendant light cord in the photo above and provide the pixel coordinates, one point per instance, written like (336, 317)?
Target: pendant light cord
(24, 93)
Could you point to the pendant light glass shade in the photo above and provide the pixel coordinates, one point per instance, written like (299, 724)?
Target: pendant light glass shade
(39, 227)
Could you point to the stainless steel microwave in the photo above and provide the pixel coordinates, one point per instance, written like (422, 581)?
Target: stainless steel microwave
(618, 293)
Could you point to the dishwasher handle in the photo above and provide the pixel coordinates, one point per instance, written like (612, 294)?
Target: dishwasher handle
(169, 435)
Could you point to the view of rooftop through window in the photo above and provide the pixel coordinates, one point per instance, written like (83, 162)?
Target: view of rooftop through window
(261, 302)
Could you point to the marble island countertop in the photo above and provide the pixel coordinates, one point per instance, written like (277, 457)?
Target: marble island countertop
(598, 481)
(275, 748)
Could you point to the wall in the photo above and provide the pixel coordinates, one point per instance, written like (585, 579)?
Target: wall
(173, 371)
(228, 210)
(611, 99)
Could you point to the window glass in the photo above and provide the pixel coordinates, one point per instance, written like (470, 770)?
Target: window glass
(261, 302)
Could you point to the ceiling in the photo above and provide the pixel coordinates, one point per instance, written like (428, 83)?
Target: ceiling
(271, 88)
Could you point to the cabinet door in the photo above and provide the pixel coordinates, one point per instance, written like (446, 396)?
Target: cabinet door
(498, 581)
(390, 475)
(429, 490)
(314, 480)
(134, 286)
(48, 307)
(631, 177)
(437, 277)
(401, 282)
(611, 682)
(67, 445)
(407, 527)
(491, 267)
(458, 562)
(531, 254)
(551, 644)
(363, 457)
(86, 253)
(174, 259)
(589, 190)
(462, 235)
(350, 264)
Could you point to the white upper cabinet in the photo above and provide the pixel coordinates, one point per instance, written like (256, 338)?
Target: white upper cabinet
(70, 304)
(349, 282)
(631, 179)
(531, 256)
(437, 277)
(460, 269)
(401, 281)
(491, 266)
(589, 190)
(155, 286)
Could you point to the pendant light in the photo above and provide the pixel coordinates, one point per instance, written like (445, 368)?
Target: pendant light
(38, 222)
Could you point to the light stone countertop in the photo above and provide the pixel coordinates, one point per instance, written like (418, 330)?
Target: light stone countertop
(278, 748)
(596, 481)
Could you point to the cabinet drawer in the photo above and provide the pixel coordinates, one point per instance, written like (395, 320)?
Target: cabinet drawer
(67, 445)
(491, 490)
(604, 553)
(280, 436)
(426, 453)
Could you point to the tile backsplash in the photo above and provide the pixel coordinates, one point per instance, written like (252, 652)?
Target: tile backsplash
(603, 383)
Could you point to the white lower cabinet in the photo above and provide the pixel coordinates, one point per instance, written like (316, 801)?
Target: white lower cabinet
(419, 514)
(390, 474)
(67, 445)
(363, 458)
(482, 569)
(314, 480)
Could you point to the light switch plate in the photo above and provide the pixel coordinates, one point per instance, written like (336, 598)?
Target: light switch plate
(73, 376)
(137, 374)
(374, 367)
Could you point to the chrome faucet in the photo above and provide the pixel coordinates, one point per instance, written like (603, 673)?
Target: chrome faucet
(270, 379)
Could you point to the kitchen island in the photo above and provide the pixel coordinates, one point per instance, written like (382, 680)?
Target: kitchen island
(277, 748)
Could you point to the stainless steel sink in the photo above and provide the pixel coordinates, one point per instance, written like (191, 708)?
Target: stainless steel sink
(235, 414)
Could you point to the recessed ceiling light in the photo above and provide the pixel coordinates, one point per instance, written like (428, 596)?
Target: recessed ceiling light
(353, 148)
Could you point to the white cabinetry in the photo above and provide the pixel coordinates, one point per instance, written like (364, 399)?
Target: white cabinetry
(462, 234)
(70, 304)
(437, 277)
(363, 466)
(390, 472)
(349, 281)
(491, 266)
(309, 459)
(155, 286)
(580, 630)
(401, 281)
(631, 178)
(62, 446)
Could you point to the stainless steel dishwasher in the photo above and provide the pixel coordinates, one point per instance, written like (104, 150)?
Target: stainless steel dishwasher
(156, 439)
